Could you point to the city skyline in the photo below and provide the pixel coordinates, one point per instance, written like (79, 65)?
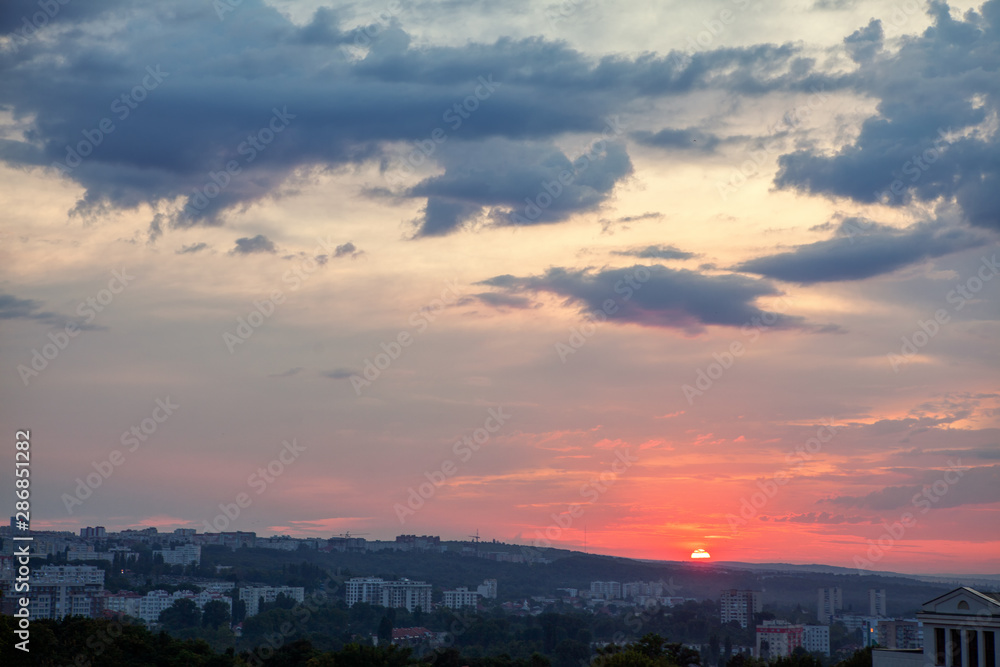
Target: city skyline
(656, 280)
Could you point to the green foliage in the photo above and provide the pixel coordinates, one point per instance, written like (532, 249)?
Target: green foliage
(215, 614)
(860, 658)
(183, 614)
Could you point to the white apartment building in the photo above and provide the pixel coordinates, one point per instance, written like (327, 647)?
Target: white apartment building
(182, 555)
(406, 593)
(461, 598)
(609, 590)
(740, 606)
(816, 639)
(829, 602)
(364, 589)
(254, 595)
(65, 590)
(876, 602)
(960, 629)
(777, 639)
(154, 602)
(488, 589)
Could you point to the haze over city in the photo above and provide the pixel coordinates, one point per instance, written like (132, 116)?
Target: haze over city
(653, 277)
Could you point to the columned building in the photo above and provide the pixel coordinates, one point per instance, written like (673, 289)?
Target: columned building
(960, 630)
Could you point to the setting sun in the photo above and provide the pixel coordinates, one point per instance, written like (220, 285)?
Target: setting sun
(700, 553)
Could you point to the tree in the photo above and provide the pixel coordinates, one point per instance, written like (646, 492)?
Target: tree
(214, 614)
(385, 631)
(183, 614)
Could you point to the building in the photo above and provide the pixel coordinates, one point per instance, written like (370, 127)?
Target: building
(253, 596)
(419, 543)
(777, 639)
(816, 639)
(900, 634)
(88, 553)
(488, 589)
(234, 540)
(406, 593)
(364, 589)
(856, 622)
(93, 532)
(876, 602)
(412, 637)
(740, 606)
(461, 598)
(960, 630)
(66, 590)
(188, 554)
(829, 602)
(609, 590)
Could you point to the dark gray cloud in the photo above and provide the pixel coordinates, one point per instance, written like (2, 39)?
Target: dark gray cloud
(690, 139)
(504, 300)
(250, 245)
(194, 247)
(862, 249)
(678, 299)
(932, 136)
(250, 99)
(522, 184)
(11, 307)
(347, 249)
(339, 373)
(656, 252)
(941, 488)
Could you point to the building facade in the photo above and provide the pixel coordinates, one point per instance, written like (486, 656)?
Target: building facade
(876, 602)
(461, 598)
(609, 590)
(740, 606)
(406, 593)
(253, 596)
(829, 602)
(816, 639)
(777, 639)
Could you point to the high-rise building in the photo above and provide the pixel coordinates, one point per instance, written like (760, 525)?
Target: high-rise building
(65, 590)
(816, 639)
(876, 602)
(406, 593)
(488, 589)
(364, 589)
(897, 634)
(830, 601)
(778, 639)
(609, 590)
(461, 598)
(254, 595)
(740, 606)
(182, 555)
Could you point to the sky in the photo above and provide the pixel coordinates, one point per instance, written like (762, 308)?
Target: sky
(653, 277)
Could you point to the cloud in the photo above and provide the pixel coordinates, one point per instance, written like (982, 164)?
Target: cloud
(214, 127)
(347, 249)
(935, 134)
(256, 244)
(862, 249)
(656, 296)
(14, 308)
(523, 184)
(821, 518)
(656, 252)
(686, 140)
(941, 488)
(503, 300)
(193, 248)
(339, 373)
